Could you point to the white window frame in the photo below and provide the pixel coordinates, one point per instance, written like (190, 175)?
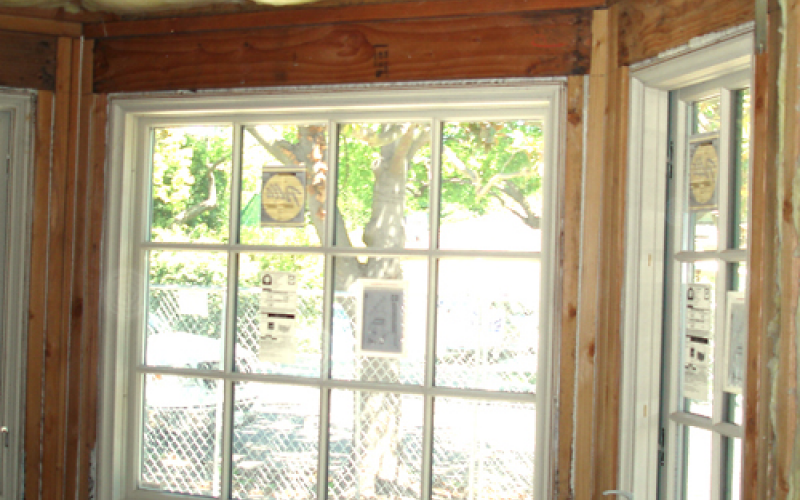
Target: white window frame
(18, 213)
(129, 119)
(651, 82)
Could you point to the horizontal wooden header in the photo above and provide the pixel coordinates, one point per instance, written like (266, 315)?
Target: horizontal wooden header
(650, 27)
(519, 45)
(307, 16)
(27, 61)
(39, 26)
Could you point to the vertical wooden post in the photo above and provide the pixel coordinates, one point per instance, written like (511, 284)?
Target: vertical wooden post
(570, 247)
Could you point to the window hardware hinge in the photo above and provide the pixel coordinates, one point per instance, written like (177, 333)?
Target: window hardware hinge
(670, 157)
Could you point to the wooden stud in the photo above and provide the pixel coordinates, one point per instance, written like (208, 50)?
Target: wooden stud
(520, 45)
(56, 364)
(90, 346)
(585, 447)
(764, 471)
(570, 258)
(37, 316)
(319, 16)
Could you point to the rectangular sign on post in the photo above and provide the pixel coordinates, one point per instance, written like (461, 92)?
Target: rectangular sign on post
(277, 317)
(381, 318)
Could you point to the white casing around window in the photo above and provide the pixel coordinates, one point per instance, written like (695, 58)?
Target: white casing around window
(708, 58)
(129, 119)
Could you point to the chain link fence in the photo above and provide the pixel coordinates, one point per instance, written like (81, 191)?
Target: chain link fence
(375, 447)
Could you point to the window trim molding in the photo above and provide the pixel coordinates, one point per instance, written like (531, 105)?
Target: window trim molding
(17, 264)
(702, 60)
(129, 116)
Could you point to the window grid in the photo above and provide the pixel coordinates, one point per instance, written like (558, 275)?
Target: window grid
(682, 412)
(228, 377)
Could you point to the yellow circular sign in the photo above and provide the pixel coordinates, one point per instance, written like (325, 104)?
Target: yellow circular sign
(703, 173)
(282, 197)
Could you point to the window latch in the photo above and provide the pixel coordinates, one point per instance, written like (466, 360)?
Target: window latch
(619, 493)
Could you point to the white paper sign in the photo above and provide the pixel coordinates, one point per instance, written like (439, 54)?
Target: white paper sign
(698, 309)
(277, 317)
(382, 318)
(735, 343)
(697, 369)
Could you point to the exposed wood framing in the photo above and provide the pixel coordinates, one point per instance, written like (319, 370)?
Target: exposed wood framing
(585, 447)
(771, 449)
(62, 353)
(27, 61)
(596, 453)
(40, 26)
(428, 49)
(315, 16)
(570, 259)
(650, 27)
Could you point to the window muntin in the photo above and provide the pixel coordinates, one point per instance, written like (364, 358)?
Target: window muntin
(230, 373)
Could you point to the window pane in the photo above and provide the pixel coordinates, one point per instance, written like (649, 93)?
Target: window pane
(742, 170)
(190, 188)
(285, 339)
(492, 186)
(487, 328)
(698, 331)
(275, 441)
(697, 464)
(702, 199)
(186, 309)
(483, 449)
(384, 185)
(284, 172)
(706, 115)
(182, 435)
(356, 315)
(734, 403)
(732, 469)
(375, 445)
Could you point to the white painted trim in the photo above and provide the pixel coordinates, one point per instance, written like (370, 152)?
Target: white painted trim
(17, 265)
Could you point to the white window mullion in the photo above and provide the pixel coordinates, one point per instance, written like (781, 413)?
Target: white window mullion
(430, 350)
(229, 325)
(332, 155)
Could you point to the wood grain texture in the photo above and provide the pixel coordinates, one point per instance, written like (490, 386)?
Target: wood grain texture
(27, 61)
(37, 312)
(786, 416)
(479, 47)
(56, 363)
(570, 239)
(90, 361)
(758, 470)
(591, 247)
(338, 14)
(40, 26)
(649, 27)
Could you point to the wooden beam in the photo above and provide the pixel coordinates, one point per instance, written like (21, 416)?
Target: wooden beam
(27, 61)
(40, 26)
(316, 16)
(650, 27)
(570, 287)
(591, 250)
(480, 47)
(37, 305)
(56, 363)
